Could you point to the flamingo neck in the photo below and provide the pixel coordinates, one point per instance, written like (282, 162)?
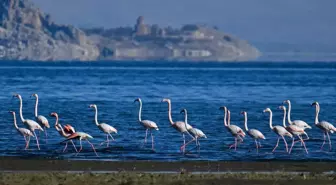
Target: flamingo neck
(21, 116)
(270, 120)
(57, 125)
(96, 116)
(140, 109)
(317, 114)
(36, 104)
(185, 119)
(169, 114)
(289, 113)
(245, 121)
(284, 118)
(225, 113)
(229, 118)
(15, 122)
(62, 131)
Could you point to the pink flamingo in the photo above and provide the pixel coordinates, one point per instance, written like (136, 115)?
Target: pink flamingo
(253, 133)
(235, 131)
(32, 125)
(294, 130)
(43, 121)
(22, 131)
(278, 130)
(178, 125)
(148, 124)
(63, 133)
(324, 126)
(106, 128)
(81, 136)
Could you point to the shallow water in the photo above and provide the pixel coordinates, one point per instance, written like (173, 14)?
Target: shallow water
(68, 89)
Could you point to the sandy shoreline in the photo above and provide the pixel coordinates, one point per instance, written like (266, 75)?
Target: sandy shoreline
(44, 171)
(21, 164)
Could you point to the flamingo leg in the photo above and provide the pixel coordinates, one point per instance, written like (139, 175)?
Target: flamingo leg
(27, 145)
(73, 144)
(46, 135)
(25, 140)
(293, 142)
(81, 147)
(259, 144)
(285, 143)
(145, 140)
(37, 142)
(66, 146)
(111, 136)
(276, 144)
(183, 146)
(107, 140)
(184, 142)
(304, 145)
(329, 141)
(152, 139)
(324, 139)
(256, 142)
(198, 146)
(92, 147)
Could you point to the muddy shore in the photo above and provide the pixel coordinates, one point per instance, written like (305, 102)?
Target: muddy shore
(44, 171)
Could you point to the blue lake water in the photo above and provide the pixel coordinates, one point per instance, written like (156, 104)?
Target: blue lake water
(68, 89)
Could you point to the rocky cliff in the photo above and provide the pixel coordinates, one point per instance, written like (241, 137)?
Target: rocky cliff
(28, 34)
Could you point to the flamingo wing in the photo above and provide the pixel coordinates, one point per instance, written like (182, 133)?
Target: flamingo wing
(301, 123)
(327, 126)
(33, 125)
(107, 128)
(256, 134)
(25, 132)
(149, 124)
(180, 126)
(43, 121)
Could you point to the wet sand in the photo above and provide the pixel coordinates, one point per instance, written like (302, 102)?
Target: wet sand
(44, 171)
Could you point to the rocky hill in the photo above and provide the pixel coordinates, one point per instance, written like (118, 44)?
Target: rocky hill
(26, 33)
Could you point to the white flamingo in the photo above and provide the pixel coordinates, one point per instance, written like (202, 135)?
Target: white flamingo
(61, 131)
(149, 125)
(294, 130)
(325, 126)
(107, 129)
(32, 125)
(298, 123)
(22, 131)
(253, 133)
(43, 121)
(178, 125)
(81, 136)
(195, 132)
(279, 130)
(235, 131)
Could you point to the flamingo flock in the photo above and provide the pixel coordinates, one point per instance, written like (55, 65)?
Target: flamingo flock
(294, 129)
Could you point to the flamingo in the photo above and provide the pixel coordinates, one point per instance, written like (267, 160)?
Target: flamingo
(178, 125)
(253, 133)
(32, 125)
(149, 125)
(43, 121)
(325, 126)
(235, 131)
(279, 130)
(196, 133)
(61, 131)
(81, 136)
(294, 130)
(107, 129)
(22, 131)
(299, 123)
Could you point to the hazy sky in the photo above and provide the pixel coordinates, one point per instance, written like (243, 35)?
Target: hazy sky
(287, 21)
